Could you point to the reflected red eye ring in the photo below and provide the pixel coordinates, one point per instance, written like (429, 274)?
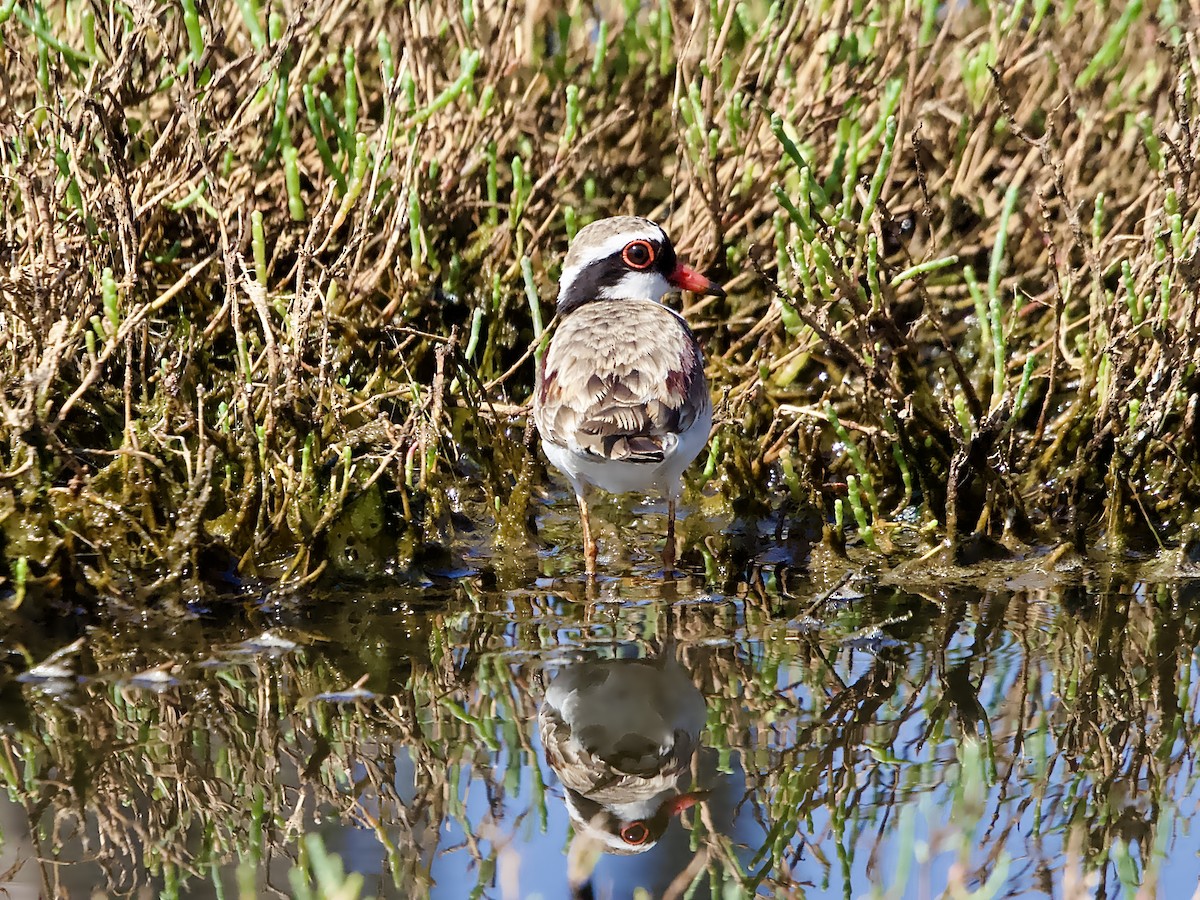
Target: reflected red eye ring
(635, 833)
(631, 262)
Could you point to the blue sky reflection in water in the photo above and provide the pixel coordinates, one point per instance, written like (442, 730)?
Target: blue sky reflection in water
(912, 795)
(889, 741)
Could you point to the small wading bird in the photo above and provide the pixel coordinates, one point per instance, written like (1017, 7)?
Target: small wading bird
(620, 735)
(621, 402)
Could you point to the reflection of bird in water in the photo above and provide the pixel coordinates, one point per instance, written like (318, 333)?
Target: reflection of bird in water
(620, 735)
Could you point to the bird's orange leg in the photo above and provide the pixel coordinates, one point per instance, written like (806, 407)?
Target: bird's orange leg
(589, 543)
(669, 546)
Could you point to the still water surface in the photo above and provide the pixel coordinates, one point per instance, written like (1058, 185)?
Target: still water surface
(831, 731)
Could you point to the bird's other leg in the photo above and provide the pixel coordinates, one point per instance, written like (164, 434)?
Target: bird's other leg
(589, 543)
(669, 546)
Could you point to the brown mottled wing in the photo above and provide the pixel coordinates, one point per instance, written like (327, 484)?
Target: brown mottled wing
(575, 767)
(594, 777)
(620, 376)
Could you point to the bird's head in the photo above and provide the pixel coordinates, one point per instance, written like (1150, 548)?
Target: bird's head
(625, 258)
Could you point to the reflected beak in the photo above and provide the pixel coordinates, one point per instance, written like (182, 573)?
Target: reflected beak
(689, 279)
(676, 805)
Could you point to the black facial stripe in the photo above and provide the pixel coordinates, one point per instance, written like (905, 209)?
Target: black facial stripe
(665, 260)
(607, 272)
(587, 807)
(591, 280)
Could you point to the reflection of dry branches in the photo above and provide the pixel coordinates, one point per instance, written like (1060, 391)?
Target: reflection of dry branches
(1088, 734)
(919, 687)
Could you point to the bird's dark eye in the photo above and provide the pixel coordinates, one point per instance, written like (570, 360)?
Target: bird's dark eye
(638, 254)
(635, 832)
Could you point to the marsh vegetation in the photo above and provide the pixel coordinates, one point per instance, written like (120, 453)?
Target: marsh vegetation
(272, 280)
(274, 275)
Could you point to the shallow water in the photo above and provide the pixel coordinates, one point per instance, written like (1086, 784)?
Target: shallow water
(1022, 729)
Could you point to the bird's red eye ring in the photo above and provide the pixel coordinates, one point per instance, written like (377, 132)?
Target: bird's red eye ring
(635, 833)
(638, 254)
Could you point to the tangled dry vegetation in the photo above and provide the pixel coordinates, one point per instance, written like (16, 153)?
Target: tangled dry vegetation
(272, 274)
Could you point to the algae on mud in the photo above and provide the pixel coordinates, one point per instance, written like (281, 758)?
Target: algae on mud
(269, 266)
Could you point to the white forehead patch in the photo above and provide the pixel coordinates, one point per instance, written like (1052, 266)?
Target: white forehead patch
(614, 243)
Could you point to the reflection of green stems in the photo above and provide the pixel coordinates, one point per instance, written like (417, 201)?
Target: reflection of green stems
(1126, 866)
(477, 725)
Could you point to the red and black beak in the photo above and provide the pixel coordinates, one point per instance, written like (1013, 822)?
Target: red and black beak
(688, 279)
